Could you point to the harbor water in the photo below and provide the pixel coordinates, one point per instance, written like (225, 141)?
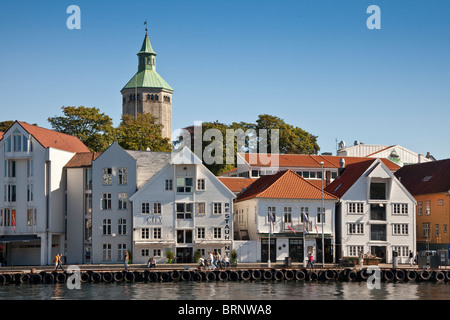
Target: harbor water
(227, 290)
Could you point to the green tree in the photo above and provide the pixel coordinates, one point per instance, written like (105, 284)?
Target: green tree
(141, 133)
(5, 125)
(290, 139)
(93, 128)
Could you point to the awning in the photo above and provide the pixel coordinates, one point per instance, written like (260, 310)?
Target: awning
(19, 238)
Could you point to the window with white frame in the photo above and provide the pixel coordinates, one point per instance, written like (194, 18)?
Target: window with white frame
(184, 185)
(10, 168)
(184, 210)
(400, 208)
(320, 215)
(145, 233)
(122, 201)
(122, 176)
(168, 184)
(201, 233)
(419, 208)
(29, 192)
(107, 252)
(425, 230)
(157, 233)
(157, 208)
(287, 214)
(356, 207)
(157, 252)
(145, 252)
(201, 208)
(31, 217)
(427, 208)
(201, 184)
(122, 226)
(107, 176)
(106, 227)
(353, 251)
(10, 193)
(145, 207)
(121, 249)
(355, 228)
(106, 201)
(403, 251)
(400, 229)
(217, 233)
(217, 208)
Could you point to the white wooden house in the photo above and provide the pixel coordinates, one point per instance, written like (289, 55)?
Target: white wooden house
(182, 208)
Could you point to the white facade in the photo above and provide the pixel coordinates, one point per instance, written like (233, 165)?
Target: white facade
(376, 214)
(252, 223)
(32, 215)
(182, 208)
(396, 153)
(113, 183)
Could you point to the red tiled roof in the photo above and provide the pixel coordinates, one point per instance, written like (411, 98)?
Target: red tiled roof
(284, 185)
(82, 159)
(1, 135)
(53, 139)
(313, 161)
(426, 178)
(236, 184)
(352, 172)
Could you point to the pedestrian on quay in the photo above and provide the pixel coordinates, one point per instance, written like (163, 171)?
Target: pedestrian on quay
(411, 258)
(361, 259)
(127, 257)
(211, 261)
(151, 263)
(58, 262)
(310, 260)
(226, 261)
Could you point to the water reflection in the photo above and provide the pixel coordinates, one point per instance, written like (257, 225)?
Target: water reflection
(258, 290)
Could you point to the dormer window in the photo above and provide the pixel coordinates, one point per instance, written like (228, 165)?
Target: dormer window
(17, 142)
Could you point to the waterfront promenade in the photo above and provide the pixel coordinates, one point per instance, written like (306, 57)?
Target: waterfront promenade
(241, 271)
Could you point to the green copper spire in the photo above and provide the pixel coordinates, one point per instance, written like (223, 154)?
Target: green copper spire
(147, 77)
(146, 46)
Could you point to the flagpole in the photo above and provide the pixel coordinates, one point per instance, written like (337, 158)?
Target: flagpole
(322, 211)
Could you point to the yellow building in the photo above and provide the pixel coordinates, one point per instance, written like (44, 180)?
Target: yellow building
(429, 183)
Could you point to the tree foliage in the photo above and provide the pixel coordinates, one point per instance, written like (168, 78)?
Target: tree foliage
(258, 137)
(93, 128)
(141, 133)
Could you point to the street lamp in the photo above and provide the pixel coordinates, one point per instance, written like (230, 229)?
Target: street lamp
(322, 211)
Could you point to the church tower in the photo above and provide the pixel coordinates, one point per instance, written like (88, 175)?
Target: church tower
(148, 92)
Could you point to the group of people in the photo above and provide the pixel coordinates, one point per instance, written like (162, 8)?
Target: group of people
(214, 261)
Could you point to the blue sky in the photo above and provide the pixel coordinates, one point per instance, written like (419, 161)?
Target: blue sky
(314, 64)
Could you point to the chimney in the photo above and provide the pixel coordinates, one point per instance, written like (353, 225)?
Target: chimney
(341, 166)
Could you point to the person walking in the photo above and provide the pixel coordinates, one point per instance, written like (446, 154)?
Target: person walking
(310, 260)
(411, 258)
(361, 259)
(127, 257)
(58, 262)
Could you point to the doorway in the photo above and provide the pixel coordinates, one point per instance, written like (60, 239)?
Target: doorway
(380, 252)
(265, 250)
(184, 255)
(296, 250)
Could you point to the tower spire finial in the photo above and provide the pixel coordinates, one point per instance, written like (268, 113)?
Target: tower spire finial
(146, 28)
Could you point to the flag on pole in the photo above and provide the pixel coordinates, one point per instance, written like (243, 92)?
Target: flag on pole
(305, 222)
(272, 220)
(317, 231)
(289, 226)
